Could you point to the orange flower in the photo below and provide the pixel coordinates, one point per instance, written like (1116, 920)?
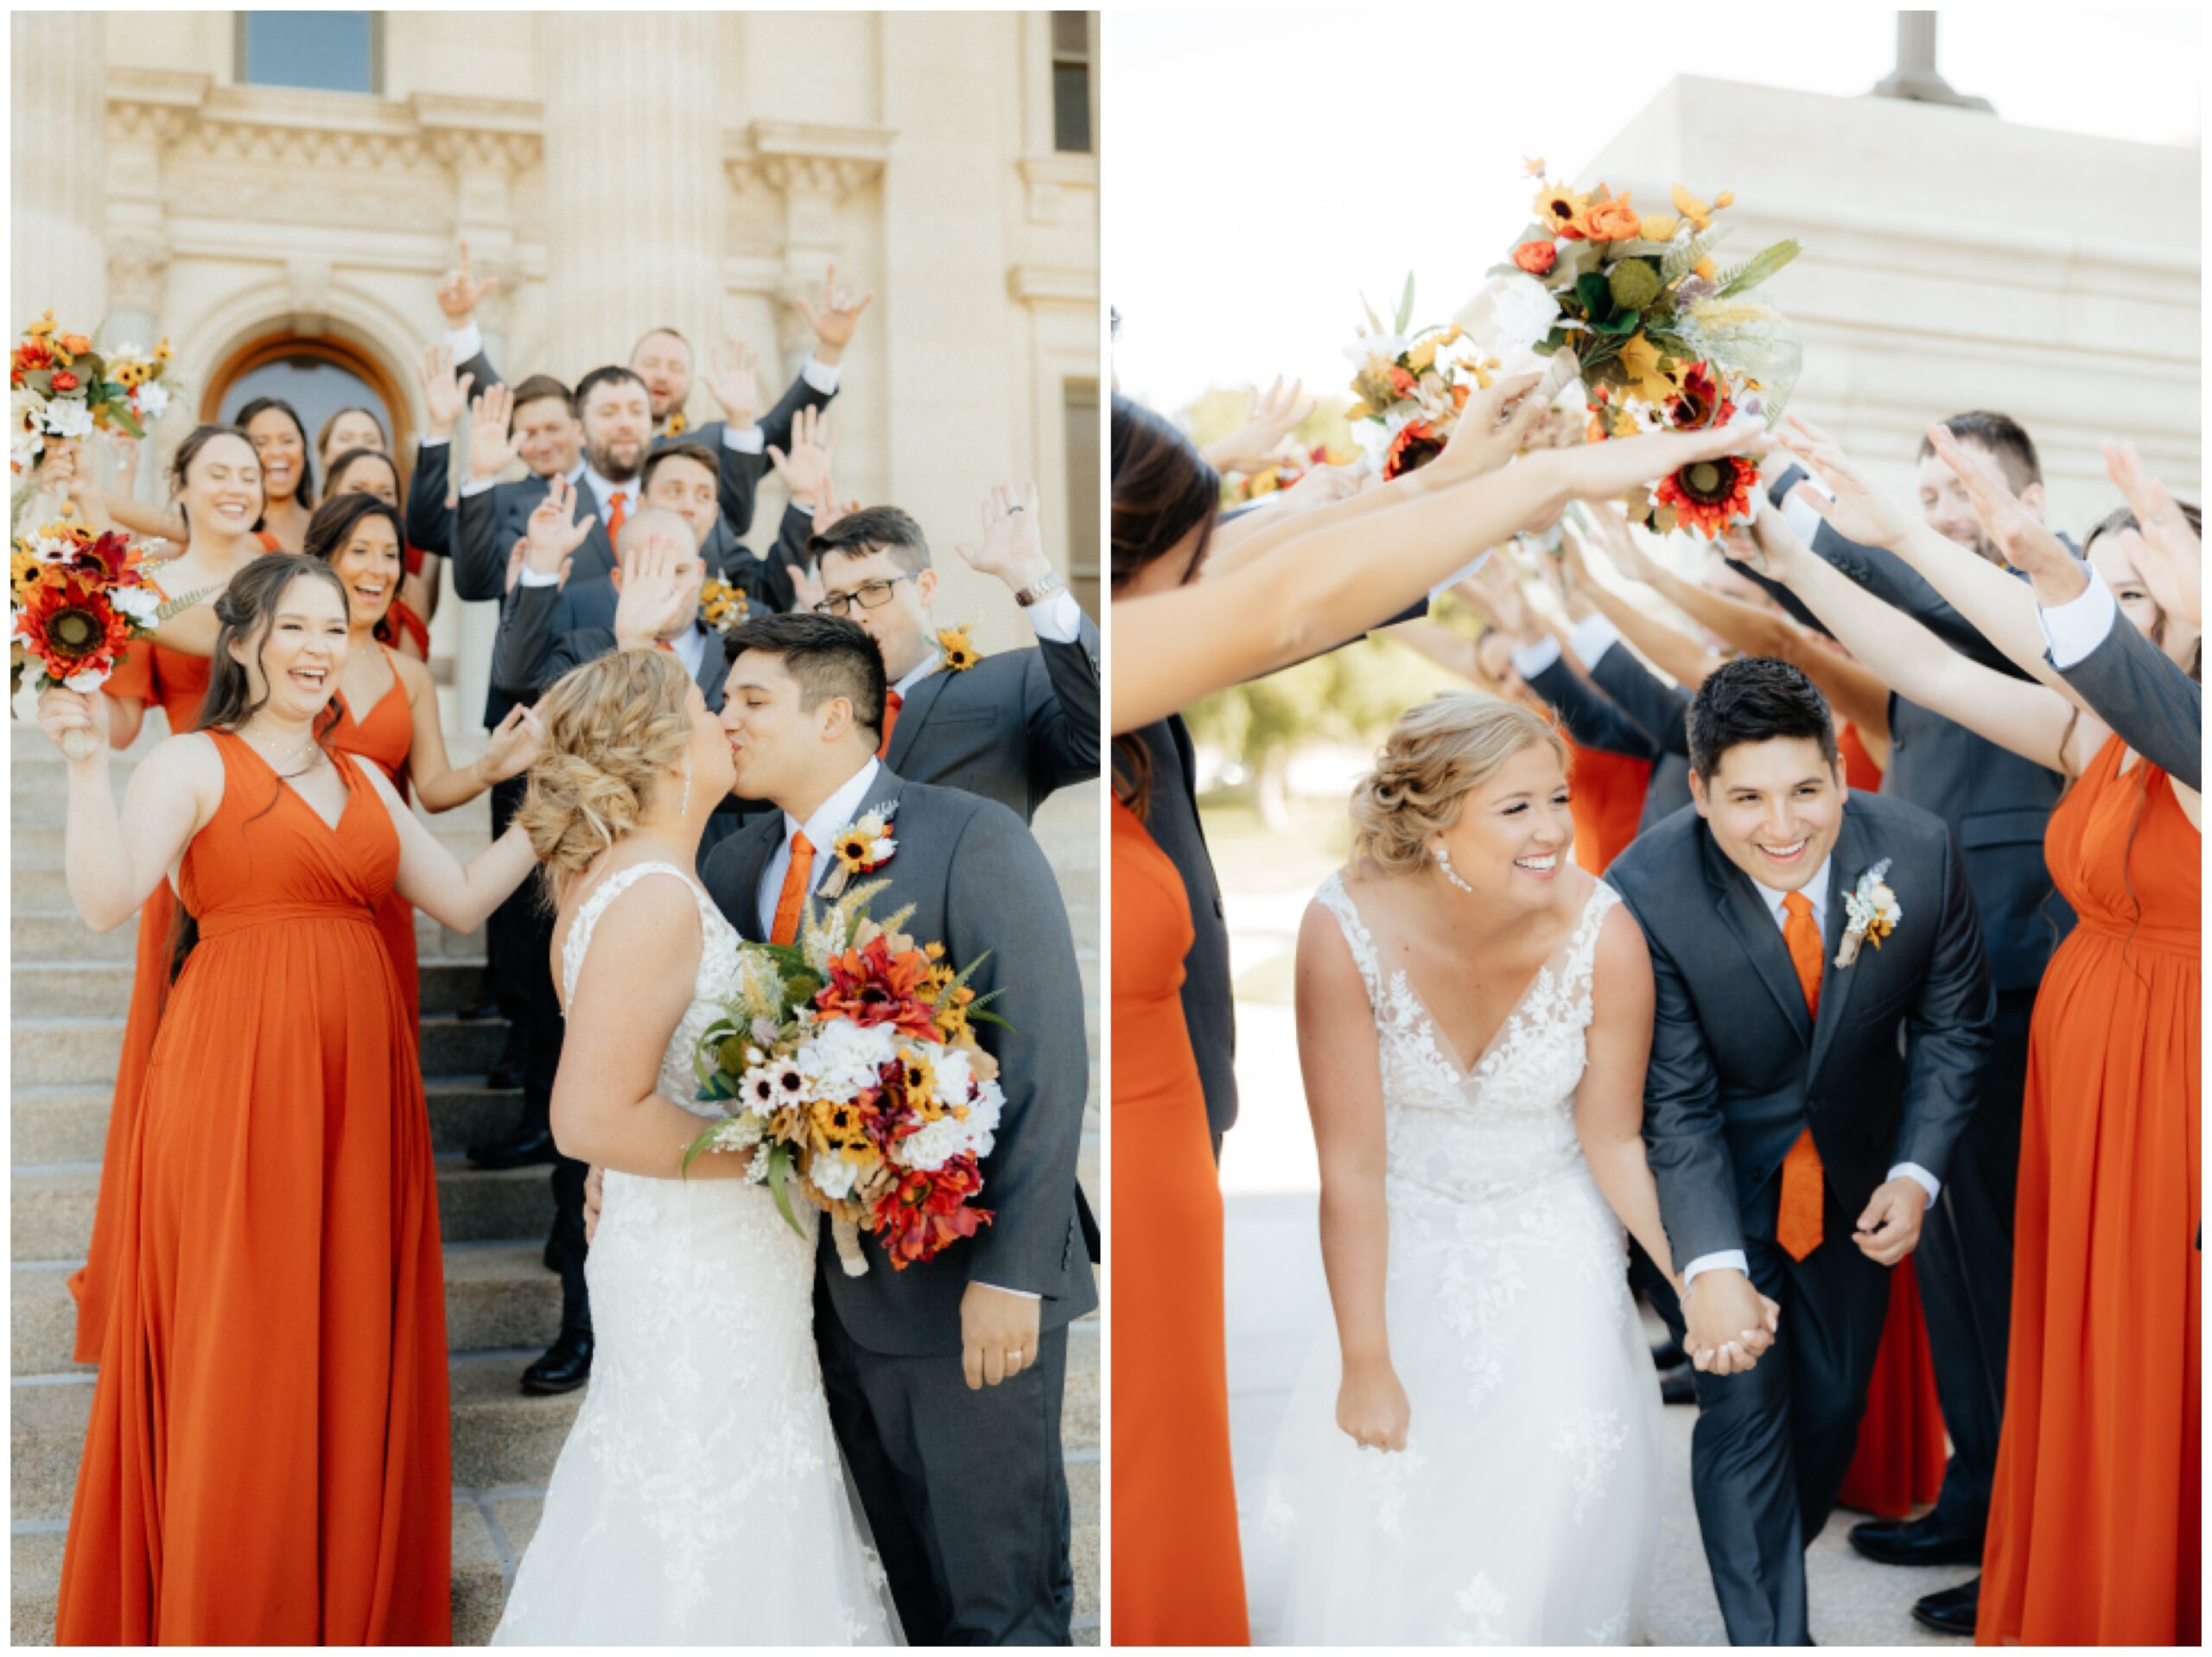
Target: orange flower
(1611, 221)
(1459, 394)
(1561, 209)
(1402, 382)
(1416, 445)
(1710, 495)
(64, 380)
(1536, 257)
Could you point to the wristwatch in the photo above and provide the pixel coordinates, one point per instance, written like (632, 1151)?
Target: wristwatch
(1043, 587)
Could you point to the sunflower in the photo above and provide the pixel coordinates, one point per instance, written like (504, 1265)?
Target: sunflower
(1558, 209)
(66, 625)
(1416, 445)
(44, 326)
(960, 654)
(722, 606)
(1708, 496)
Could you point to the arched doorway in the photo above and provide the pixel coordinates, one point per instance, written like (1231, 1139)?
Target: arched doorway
(317, 376)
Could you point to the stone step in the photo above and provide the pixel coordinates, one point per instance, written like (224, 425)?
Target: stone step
(62, 1050)
(50, 1213)
(75, 989)
(58, 935)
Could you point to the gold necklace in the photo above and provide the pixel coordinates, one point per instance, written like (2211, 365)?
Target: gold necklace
(277, 763)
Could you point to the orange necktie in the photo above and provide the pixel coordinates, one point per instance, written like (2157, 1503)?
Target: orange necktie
(791, 900)
(1798, 1228)
(893, 702)
(616, 504)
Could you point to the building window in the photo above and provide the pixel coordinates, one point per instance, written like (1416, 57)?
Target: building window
(330, 51)
(1071, 98)
(1079, 422)
(318, 377)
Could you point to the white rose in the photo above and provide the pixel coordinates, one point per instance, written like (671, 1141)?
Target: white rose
(153, 399)
(833, 1176)
(68, 416)
(1511, 315)
(141, 604)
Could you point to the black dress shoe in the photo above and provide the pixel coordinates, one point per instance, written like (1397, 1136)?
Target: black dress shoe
(1678, 1385)
(525, 1147)
(1666, 1355)
(1924, 1540)
(565, 1367)
(506, 1074)
(1951, 1611)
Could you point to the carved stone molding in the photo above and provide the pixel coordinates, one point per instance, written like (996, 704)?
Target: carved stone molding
(1055, 186)
(1048, 284)
(138, 272)
(806, 158)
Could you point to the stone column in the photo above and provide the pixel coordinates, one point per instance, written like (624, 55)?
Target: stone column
(634, 218)
(59, 125)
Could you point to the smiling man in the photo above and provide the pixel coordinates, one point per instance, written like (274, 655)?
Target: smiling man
(1806, 1090)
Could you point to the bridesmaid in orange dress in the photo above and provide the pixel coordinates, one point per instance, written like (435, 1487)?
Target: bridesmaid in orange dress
(267, 1461)
(280, 437)
(373, 472)
(388, 703)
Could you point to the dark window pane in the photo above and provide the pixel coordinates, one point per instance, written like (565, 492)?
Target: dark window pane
(332, 51)
(1079, 420)
(1071, 107)
(1071, 33)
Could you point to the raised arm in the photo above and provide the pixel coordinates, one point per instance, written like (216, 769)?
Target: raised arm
(430, 877)
(1675, 654)
(112, 861)
(1339, 1057)
(440, 785)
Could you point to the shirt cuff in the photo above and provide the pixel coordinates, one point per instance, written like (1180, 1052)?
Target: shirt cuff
(1591, 638)
(538, 578)
(1802, 521)
(1057, 621)
(1920, 1176)
(476, 486)
(1733, 1260)
(746, 439)
(823, 376)
(467, 341)
(1455, 576)
(2075, 628)
(432, 440)
(1019, 1294)
(1529, 660)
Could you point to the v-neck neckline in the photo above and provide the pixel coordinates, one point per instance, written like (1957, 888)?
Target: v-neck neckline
(1469, 1069)
(307, 805)
(361, 721)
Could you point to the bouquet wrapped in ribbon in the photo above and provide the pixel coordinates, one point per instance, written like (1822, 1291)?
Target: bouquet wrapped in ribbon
(855, 1078)
(79, 599)
(1662, 338)
(1411, 384)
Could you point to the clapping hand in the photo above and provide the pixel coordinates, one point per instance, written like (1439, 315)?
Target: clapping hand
(554, 531)
(491, 433)
(805, 470)
(733, 382)
(2027, 544)
(1270, 417)
(445, 396)
(1490, 431)
(1858, 511)
(2172, 562)
(1889, 1228)
(1010, 548)
(514, 745)
(653, 598)
(834, 323)
(459, 293)
(1728, 1324)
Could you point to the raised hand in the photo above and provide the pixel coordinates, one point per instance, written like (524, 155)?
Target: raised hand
(1495, 589)
(1609, 470)
(834, 323)
(1322, 486)
(1270, 416)
(653, 598)
(733, 382)
(1775, 550)
(1012, 548)
(515, 557)
(459, 292)
(1728, 1325)
(827, 509)
(807, 586)
(805, 470)
(1372, 1408)
(1859, 511)
(444, 396)
(1608, 530)
(2172, 562)
(514, 745)
(2027, 544)
(1889, 1227)
(126, 449)
(1491, 429)
(76, 722)
(554, 531)
(491, 432)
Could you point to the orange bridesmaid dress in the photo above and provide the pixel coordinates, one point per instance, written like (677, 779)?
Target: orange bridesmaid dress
(2095, 1526)
(1179, 1572)
(385, 737)
(1607, 802)
(267, 1461)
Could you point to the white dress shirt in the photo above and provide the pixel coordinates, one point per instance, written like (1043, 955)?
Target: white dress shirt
(1592, 636)
(602, 493)
(2076, 627)
(690, 648)
(1816, 890)
(751, 440)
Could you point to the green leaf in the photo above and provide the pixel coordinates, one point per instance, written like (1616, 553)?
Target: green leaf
(119, 411)
(1619, 322)
(1373, 322)
(1759, 268)
(1683, 256)
(1406, 306)
(779, 1171)
(697, 1147)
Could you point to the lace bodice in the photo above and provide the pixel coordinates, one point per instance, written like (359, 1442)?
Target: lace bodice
(717, 982)
(1506, 1123)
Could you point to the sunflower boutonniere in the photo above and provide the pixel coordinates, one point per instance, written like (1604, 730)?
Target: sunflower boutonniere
(860, 848)
(678, 423)
(1871, 911)
(960, 653)
(724, 607)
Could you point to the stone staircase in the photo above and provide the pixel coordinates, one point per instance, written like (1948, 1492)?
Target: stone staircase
(70, 989)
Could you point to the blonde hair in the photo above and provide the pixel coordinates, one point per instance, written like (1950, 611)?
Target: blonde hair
(1436, 753)
(613, 727)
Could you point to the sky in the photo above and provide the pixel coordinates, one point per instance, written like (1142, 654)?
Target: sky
(1266, 168)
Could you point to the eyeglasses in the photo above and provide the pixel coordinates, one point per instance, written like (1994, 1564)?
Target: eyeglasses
(870, 595)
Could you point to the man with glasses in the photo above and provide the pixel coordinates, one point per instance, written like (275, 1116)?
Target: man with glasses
(1013, 726)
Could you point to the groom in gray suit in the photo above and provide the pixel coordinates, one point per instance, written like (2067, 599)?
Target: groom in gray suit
(944, 1379)
(1805, 1093)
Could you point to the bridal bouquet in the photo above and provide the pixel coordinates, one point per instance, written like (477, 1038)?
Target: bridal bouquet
(60, 386)
(1662, 338)
(1411, 386)
(851, 1061)
(76, 601)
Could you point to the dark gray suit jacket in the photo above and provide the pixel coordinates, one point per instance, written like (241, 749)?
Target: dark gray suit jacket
(1663, 711)
(979, 886)
(2135, 688)
(1889, 1071)
(1594, 719)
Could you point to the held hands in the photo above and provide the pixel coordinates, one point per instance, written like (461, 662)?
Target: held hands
(2027, 545)
(733, 382)
(1729, 1324)
(513, 747)
(998, 1335)
(554, 532)
(2172, 562)
(446, 397)
(459, 293)
(1859, 511)
(834, 323)
(1011, 549)
(1371, 1406)
(491, 433)
(805, 470)
(653, 598)
(76, 722)
(1889, 1228)
(1270, 417)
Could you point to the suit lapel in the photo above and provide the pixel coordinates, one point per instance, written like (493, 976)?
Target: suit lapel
(912, 715)
(1752, 923)
(1852, 859)
(883, 791)
(714, 671)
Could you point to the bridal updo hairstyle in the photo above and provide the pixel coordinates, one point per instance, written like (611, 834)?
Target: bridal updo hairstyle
(614, 727)
(1435, 754)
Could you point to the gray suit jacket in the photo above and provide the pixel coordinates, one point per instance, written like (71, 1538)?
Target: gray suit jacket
(1594, 719)
(979, 886)
(2158, 710)
(1887, 1073)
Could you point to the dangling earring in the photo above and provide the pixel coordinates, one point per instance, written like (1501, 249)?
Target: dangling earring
(1443, 862)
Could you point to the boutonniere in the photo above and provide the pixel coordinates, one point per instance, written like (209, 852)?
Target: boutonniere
(1871, 911)
(724, 607)
(860, 848)
(678, 423)
(959, 654)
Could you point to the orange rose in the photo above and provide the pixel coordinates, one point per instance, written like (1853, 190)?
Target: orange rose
(1611, 221)
(75, 344)
(1536, 257)
(64, 380)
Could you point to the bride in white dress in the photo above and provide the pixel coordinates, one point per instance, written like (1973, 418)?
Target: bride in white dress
(1473, 1459)
(700, 1498)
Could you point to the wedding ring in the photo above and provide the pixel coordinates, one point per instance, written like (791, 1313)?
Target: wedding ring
(1017, 507)
(1015, 1356)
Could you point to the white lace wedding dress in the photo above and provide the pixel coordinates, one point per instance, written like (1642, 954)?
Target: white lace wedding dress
(700, 1498)
(1524, 1507)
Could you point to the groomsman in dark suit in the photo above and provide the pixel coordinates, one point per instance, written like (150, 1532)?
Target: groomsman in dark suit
(1806, 1091)
(1998, 807)
(944, 1380)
